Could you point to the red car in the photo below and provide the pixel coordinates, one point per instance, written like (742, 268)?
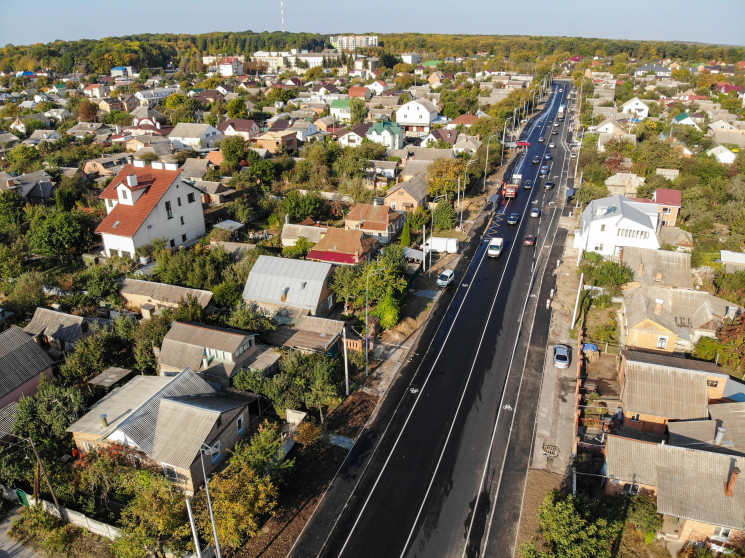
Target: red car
(529, 240)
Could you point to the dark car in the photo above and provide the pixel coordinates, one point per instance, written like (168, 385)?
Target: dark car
(554, 132)
(536, 160)
(529, 240)
(541, 139)
(513, 218)
(548, 185)
(527, 184)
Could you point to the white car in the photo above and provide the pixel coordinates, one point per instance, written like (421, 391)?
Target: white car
(495, 247)
(552, 144)
(445, 278)
(561, 356)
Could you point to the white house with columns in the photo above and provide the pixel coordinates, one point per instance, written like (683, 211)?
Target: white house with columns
(609, 224)
(148, 203)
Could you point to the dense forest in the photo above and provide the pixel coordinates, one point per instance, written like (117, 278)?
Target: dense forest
(149, 50)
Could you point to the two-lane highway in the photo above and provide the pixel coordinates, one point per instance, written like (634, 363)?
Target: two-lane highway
(427, 487)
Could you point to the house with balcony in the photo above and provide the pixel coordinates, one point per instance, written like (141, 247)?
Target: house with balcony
(378, 221)
(148, 203)
(416, 117)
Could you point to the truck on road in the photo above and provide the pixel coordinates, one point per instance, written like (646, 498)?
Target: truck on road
(510, 190)
(562, 110)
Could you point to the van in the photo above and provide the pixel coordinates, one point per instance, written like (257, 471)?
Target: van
(495, 247)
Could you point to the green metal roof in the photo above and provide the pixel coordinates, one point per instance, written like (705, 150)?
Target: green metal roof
(341, 103)
(379, 127)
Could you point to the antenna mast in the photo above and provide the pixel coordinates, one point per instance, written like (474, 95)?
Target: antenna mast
(282, 11)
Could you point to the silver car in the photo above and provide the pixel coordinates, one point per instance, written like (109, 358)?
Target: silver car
(561, 356)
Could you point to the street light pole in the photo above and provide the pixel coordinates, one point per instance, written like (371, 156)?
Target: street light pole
(367, 313)
(486, 163)
(460, 199)
(209, 451)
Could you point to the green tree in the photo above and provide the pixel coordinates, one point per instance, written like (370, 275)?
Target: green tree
(443, 177)
(299, 206)
(247, 318)
(28, 292)
(731, 337)
(387, 310)
(299, 250)
(264, 454)
(24, 158)
(444, 216)
(237, 108)
(233, 149)
(53, 232)
(358, 111)
(406, 235)
(155, 522)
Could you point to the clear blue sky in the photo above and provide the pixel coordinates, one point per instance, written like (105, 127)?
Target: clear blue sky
(707, 21)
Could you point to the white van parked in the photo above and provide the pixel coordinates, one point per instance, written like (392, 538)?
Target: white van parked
(495, 247)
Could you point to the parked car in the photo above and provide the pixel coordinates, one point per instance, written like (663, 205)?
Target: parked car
(529, 240)
(513, 219)
(535, 212)
(445, 278)
(561, 356)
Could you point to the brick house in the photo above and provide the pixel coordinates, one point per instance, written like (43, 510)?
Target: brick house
(148, 296)
(408, 195)
(145, 420)
(344, 247)
(377, 221)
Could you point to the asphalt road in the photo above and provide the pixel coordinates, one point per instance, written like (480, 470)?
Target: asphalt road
(421, 481)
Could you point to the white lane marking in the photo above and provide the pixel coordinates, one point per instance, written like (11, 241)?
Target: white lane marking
(462, 396)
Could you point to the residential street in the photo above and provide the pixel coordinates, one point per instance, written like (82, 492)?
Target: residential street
(448, 432)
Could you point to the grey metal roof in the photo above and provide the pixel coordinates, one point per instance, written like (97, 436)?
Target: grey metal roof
(179, 446)
(662, 268)
(118, 405)
(184, 344)
(194, 168)
(56, 325)
(310, 232)
(8, 418)
(667, 361)
(732, 417)
(416, 187)
(734, 390)
(616, 207)
(690, 483)
(698, 434)
(110, 376)
(665, 392)
(286, 282)
(188, 130)
(20, 359)
(163, 292)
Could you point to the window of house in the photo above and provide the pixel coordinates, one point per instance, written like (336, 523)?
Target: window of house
(169, 211)
(635, 417)
(182, 219)
(183, 237)
(217, 455)
(662, 342)
(173, 243)
(190, 197)
(240, 424)
(631, 489)
(602, 228)
(170, 472)
(178, 201)
(666, 210)
(722, 533)
(88, 446)
(124, 194)
(712, 383)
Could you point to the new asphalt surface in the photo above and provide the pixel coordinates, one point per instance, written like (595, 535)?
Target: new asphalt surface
(441, 470)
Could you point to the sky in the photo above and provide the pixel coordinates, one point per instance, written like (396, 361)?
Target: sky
(664, 20)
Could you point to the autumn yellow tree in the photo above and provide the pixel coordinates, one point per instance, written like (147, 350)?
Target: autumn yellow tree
(443, 177)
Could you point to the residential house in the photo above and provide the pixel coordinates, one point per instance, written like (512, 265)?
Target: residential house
(146, 420)
(22, 364)
(275, 142)
(145, 116)
(609, 224)
(669, 203)
(35, 187)
(416, 117)
(658, 268)
(146, 297)
(38, 137)
(444, 135)
(109, 105)
(344, 247)
(194, 136)
(656, 70)
(82, 129)
(309, 334)
(610, 126)
(194, 169)
(326, 124)
(636, 107)
(151, 97)
(214, 193)
(378, 221)
(409, 195)
(680, 240)
(247, 129)
(7, 141)
(360, 93)
(723, 432)
(341, 109)
(722, 154)
(108, 165)
(292, 233)
(668, 174)
(56, 331)
(352, 137)
(303, 130)
(672, 320)
(697, 492)
(217, 354)
(732, 261)
(624, 184)
(96, 91)
(148, 203)
(230, 66)
(379, 87)
(684, 119)
(465, 120)
(467, 144)
(20, 124)
(657, 389)
(386, 133)
(287, 288)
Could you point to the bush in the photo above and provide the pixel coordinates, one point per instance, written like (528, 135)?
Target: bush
(308, 434)
(643, 513)
(602, 301)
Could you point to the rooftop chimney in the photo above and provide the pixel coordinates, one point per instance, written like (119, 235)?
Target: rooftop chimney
(104, 422)
(139, 163)
(729, 489)
(131, 180)
(719, 438)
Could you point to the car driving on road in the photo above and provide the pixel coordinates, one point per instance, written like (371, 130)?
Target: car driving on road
(536, 160)
(535, 212)
(552, 144)
(544, 169)
(513, 218)
(548, 156)
(527, 184)
(541, 139)
(445, 278)
(548, 185)
(529, 240)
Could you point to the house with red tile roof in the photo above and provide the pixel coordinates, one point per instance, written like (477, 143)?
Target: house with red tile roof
(669, 202)
(465, 120)
(230, 66)
(360, 93)
(148, 203)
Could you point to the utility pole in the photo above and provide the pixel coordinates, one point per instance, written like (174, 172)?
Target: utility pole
(40, 465)
(346, 362)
